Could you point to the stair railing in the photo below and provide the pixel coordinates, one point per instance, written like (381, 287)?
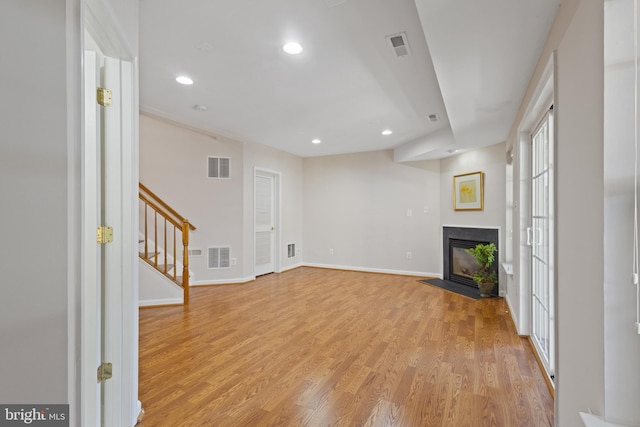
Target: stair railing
(155, 213)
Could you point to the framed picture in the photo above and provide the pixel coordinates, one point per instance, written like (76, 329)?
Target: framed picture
(468, 192)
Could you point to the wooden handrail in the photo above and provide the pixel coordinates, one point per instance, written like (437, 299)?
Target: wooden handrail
(162, 212)
(159, 209)
(164, 205)
(185, 260)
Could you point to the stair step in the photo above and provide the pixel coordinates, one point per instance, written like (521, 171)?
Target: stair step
(163, 267)
(160, 268)
(149, 255)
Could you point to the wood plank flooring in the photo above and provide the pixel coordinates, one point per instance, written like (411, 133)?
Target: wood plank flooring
(316, 347)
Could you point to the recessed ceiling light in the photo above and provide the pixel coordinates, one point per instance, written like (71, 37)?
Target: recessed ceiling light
(451, 151)
(387, 132)
(200, 108)
(316, 141)
(184, 80)
(292, 48)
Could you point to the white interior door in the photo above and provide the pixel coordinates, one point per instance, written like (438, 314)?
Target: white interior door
(265, 218)
(540, 236)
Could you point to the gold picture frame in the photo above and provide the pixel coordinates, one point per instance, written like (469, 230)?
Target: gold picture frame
(468, 192)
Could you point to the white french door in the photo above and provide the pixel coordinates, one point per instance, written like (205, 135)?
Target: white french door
(540, 237)
(266, 195)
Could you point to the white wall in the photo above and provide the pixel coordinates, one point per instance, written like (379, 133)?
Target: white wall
(156, 290)
(40, 180)
(622, 344)
(34, 190)
(173, 164)
(356, 204)
(577, 35)
(579, 117)
(491, 161)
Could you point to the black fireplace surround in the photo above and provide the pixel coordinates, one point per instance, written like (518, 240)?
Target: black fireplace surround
(460, 238)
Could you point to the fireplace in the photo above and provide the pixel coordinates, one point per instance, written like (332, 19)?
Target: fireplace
(459, 266)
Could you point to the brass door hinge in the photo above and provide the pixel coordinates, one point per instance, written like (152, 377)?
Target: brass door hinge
(104, 234)
(104, 97)
(105, 371)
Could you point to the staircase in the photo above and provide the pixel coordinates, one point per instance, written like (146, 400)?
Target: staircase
(164, 239)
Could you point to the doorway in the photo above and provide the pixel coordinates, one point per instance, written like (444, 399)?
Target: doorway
(109, 177)
(266, 221)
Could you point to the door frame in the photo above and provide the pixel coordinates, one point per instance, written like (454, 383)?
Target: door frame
(90, 323)
(277, 209)
(538, 104)
(98, 19)
(548, 360)
(544, 96)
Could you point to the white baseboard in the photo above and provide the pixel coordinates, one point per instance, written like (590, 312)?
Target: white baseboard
(166, 301)
(375, 270)
(516, 322)
(223, 281)
(591, 420)
(291, 267)
(240, 280)
(138, 413)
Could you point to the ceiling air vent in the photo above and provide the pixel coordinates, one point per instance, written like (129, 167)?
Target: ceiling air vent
(433, 117)
(399, 44)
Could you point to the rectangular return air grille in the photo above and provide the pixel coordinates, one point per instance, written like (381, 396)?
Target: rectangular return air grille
(219, 167)
(399, 44)
(291, 250)
(219, 257)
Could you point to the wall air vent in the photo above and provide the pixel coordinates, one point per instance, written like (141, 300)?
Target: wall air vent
(399, 44)
(219, 257)
(219, 167)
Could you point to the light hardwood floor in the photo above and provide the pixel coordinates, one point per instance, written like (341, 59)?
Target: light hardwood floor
(316, 347)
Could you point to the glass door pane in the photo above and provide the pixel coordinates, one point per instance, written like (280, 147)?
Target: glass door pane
(542, 242)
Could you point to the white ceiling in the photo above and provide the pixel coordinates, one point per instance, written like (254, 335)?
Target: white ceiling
(470, 63)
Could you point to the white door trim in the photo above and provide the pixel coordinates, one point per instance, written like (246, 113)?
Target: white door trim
(114, 276)
(90, 328)
(122, 391)
(539, 102)
(276, 250)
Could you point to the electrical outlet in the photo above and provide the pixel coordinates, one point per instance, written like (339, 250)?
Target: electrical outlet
(234, 261)
(409, 255)
(426, 209)
(409, 212)
(331, 251)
